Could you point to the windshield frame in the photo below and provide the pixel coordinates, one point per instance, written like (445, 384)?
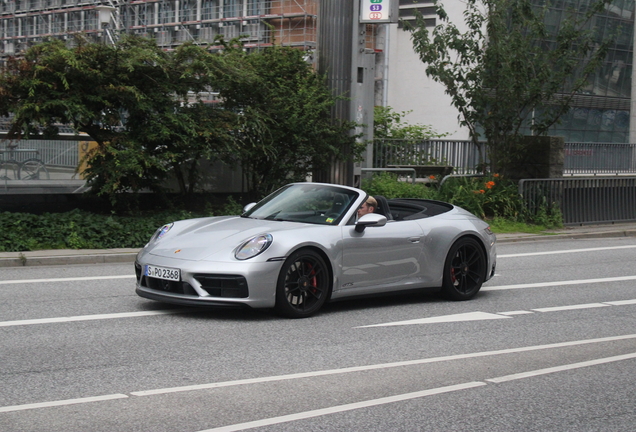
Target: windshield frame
(313, 203)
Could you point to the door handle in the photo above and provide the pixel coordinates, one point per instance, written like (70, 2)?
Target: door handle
(414, 239)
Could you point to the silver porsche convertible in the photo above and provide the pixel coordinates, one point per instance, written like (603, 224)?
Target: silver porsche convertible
(304, 245)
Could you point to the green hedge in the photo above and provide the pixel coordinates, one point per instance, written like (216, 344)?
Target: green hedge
(79, 230)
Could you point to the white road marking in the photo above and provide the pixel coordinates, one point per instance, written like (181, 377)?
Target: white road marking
(478, 316)
(414, 395)
(561, 368)
(511, 313)
(566, 251)
(91, 317)
(559, 283)
(69, 279)
(571, 307)
(321, 373)
(621, 302)
(343, 408)
(62, 402)
(469, 316)
(378, 366)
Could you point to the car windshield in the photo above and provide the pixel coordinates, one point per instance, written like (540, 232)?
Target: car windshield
(307, 203)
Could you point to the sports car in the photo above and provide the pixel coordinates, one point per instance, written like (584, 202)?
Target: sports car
(304, 245)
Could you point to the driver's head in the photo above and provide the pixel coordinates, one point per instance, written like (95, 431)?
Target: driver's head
(368, 207)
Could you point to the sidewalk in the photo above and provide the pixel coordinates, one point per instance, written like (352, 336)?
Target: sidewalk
(101, 256)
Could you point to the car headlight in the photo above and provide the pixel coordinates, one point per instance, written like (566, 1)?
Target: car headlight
(253, 246)
(160, 232)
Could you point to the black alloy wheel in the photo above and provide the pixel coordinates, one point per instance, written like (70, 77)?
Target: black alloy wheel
(303, 285)
(464, 269)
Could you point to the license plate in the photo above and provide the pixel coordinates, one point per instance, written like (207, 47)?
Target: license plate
(163, 273)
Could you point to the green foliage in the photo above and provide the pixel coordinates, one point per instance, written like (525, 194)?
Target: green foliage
(489, 197)
(509, 69)
(143, 107)
(79, 230)
(395, 141)
(388, 124)
(387, 185)
(285, 127)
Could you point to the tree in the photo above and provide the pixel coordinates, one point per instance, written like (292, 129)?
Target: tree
(285, 129)
(388, 124)
(135, 100)
(143, 107)
(508, 71)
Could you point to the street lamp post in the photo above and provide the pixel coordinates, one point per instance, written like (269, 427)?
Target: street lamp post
(104, 17)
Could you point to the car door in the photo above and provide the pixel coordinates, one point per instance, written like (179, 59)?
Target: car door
(381, 257)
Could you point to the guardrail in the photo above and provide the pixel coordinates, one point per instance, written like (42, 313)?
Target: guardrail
(583, 200)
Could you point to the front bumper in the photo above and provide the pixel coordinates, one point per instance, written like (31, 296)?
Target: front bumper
(205, 283)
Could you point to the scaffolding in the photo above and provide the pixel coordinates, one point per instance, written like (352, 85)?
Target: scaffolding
(258, 23)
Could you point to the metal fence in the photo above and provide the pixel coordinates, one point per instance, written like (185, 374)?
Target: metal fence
(54, 153)
(467, 158)
(599, 158)
(583, 200)
(464, 156)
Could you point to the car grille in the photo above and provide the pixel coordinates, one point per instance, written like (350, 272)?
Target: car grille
(164, 285)
(227, 286)
(168, 286)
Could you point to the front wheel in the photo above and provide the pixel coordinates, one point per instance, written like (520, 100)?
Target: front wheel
(303, 285)
(464, 270)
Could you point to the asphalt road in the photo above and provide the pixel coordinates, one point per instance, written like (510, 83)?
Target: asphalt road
(548, 345)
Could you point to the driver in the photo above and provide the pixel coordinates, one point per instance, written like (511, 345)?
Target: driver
(368, 207)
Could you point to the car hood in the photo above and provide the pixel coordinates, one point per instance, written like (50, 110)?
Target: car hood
(201, 239)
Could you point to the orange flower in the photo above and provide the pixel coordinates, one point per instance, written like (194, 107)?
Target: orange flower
(490, 184)
(432, 177)
(495, 175)
(482, 191)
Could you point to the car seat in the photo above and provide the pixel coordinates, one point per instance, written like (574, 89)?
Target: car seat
(383, 207)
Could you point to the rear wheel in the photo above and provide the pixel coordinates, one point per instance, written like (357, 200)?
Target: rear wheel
(464, 269)
(303, 285)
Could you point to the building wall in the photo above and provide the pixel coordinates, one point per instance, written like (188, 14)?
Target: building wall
(601, 113)
(171, 22)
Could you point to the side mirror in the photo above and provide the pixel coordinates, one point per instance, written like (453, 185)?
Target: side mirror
(371, 219)
(248, 207)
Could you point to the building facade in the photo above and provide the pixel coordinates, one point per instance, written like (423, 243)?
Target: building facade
(171, 22)
(603, 112)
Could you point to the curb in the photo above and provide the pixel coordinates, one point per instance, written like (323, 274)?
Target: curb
(23, 260)
(566, 236)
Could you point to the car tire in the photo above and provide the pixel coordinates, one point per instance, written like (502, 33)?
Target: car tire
(303, 284)
(464, 270)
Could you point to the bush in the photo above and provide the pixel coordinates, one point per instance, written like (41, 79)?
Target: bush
(489, 197)
(79, 230)
(387, 185)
